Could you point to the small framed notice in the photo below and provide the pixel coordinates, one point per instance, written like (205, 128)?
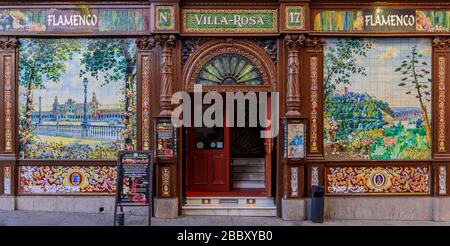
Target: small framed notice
(166, 139)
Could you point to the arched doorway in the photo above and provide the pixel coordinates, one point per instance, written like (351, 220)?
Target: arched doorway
(229, 161)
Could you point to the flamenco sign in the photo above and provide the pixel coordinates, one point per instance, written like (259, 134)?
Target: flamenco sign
(389, 20)
(229, 20)
(58, 20)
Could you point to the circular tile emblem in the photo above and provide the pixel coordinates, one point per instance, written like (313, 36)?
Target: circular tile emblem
(75, 178)
(379, 181)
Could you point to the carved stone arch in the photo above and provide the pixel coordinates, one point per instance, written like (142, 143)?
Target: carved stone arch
(244, 48)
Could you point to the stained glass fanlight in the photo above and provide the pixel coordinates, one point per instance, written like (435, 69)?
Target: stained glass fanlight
(229, 69)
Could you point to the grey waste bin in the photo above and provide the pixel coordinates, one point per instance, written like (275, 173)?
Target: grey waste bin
(317, 203)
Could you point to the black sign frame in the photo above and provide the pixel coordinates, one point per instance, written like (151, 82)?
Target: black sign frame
(173, 139)
(148, 182)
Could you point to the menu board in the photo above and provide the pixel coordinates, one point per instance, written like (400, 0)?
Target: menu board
(134, 186)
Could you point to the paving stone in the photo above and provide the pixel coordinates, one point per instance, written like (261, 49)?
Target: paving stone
(46, 218)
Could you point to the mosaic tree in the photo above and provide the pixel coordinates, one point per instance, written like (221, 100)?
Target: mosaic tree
(115, 61)
(417, 82)
(341, 62)
(40, 59)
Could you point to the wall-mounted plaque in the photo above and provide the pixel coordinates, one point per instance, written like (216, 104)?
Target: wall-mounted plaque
(294, 139)
(166, 139)
(229, 20)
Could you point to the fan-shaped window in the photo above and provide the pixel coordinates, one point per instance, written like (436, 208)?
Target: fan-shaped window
(229, 69)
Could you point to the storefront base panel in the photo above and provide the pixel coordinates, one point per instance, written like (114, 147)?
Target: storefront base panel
(166, 207)
(262, 212)
(442, 209)
(7, 203)
(387, 208)
(293, 209)
(80, 204)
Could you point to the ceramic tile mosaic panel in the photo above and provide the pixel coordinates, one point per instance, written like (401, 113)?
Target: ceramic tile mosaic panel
(433, 20)
(336, 21)
(377, 96)
(378, 180)
(77, 98)
(67, 179)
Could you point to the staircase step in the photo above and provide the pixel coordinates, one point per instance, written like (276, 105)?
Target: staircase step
(246, 161)
(247, 168)
(249, 184)
(247, 177)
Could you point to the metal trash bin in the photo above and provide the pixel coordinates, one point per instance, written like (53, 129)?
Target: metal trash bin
(317, 203)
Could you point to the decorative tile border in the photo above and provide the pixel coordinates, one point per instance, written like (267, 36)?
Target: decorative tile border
(441, 104)
(7, 67)
(366, 180)
(442, 180)
(165, 181)
(294, 181)
(67, 179)
(146, 141)
(314, 176)
(314, 103)
(7, 174)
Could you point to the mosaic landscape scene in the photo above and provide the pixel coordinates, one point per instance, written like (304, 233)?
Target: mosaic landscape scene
(377, 96)
(77, 98)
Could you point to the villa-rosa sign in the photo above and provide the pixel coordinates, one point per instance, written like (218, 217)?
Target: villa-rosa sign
(229, 20)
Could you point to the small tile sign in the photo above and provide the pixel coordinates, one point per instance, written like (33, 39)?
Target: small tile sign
(165, 17)
(294, 17)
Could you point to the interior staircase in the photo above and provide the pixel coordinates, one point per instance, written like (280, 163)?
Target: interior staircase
(248, 173)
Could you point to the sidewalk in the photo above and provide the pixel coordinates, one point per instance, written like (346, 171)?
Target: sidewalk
(36, 218)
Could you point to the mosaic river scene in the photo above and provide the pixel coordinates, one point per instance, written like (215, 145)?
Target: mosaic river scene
(77, 98)
(377, 96)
